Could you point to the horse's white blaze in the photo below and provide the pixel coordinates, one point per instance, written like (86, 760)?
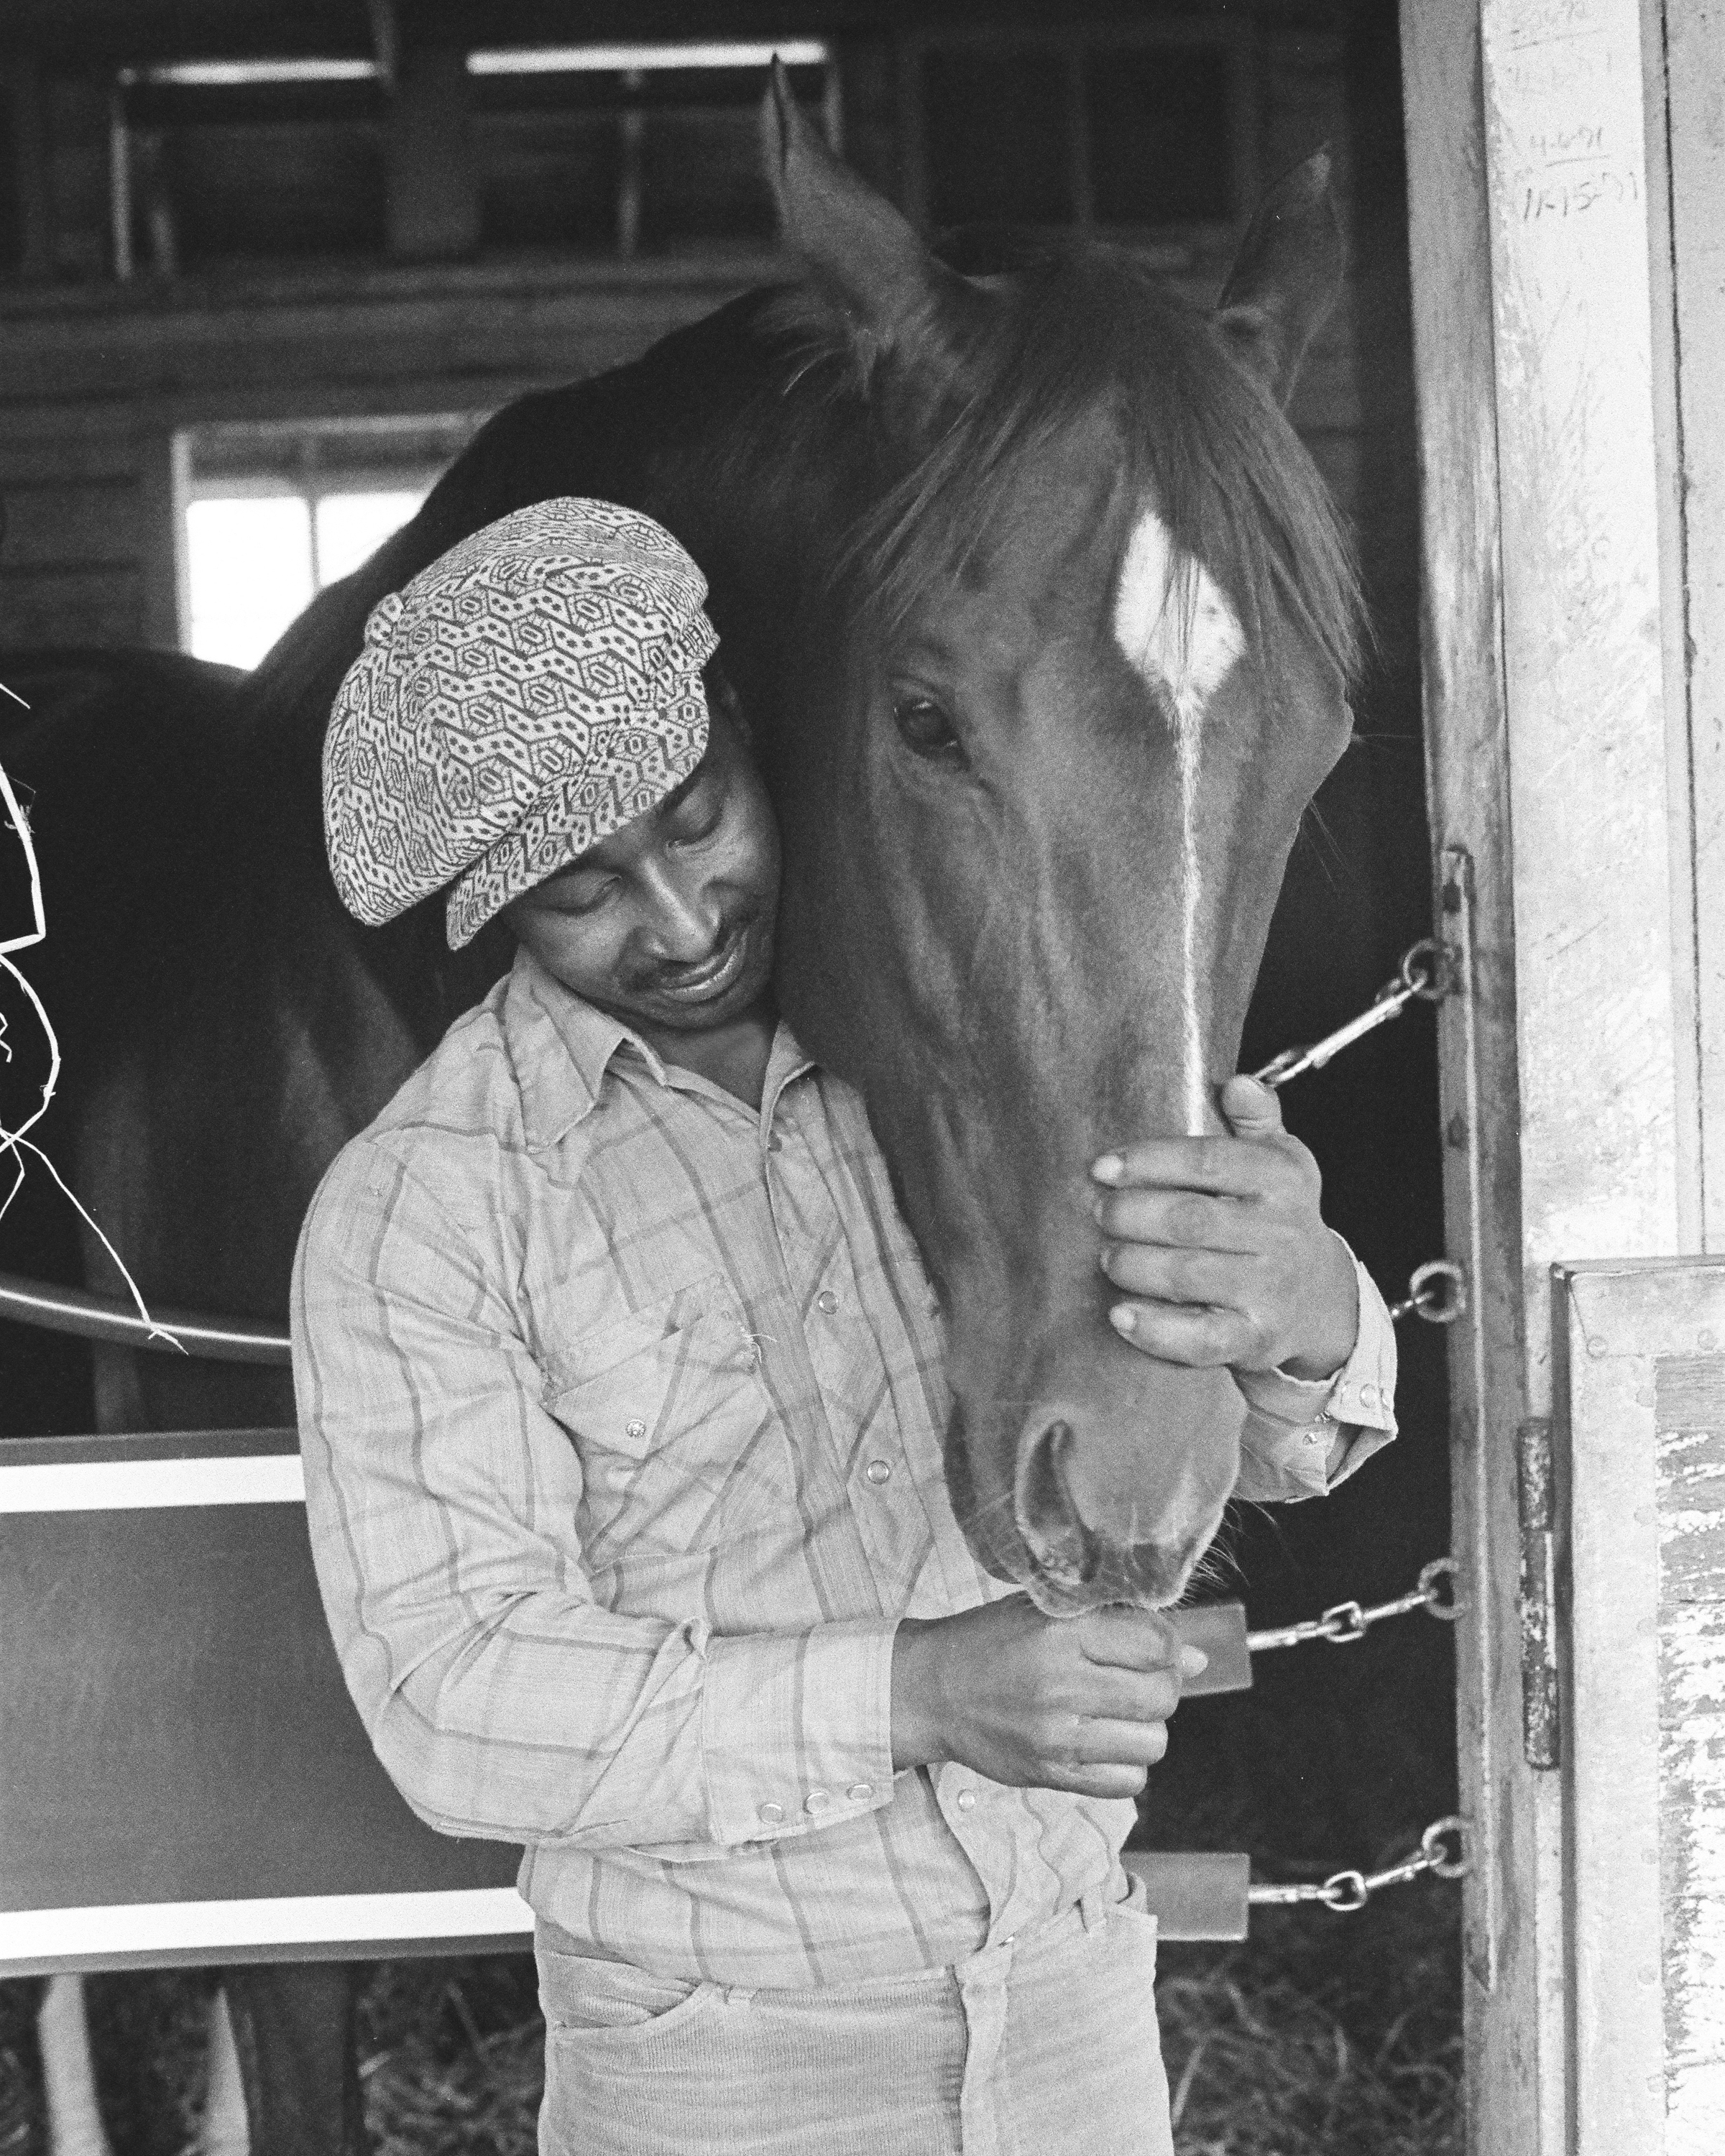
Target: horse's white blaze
(1177, 630)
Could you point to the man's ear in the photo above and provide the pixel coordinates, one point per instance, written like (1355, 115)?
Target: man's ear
(865, 261)
(721, 697)
(1286, 277)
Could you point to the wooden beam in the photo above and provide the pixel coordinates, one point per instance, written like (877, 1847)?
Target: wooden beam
(221, 347)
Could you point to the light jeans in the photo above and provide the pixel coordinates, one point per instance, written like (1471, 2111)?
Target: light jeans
(1044, 2045)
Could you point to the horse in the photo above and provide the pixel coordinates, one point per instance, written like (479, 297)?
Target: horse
(1044, 623)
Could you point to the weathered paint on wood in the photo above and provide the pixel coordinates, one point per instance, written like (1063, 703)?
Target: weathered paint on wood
(1640, 1360)
(1467, 778)
(1689, 1417)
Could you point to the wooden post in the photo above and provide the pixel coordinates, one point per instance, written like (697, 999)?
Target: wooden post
(30, 170)
(433, 196)
(1565, 784)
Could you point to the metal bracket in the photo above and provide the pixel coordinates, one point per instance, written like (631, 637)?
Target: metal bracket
(1541, 1730)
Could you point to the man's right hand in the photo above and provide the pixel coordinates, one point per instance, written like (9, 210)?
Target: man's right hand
(1077, 1703)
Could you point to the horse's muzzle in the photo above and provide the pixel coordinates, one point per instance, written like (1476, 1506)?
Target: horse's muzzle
(1037, 1536)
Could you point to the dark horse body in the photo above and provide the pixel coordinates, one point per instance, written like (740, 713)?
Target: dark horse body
(967, 538)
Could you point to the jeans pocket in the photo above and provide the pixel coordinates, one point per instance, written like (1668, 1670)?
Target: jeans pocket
(613, 2004)
(1133, 1915)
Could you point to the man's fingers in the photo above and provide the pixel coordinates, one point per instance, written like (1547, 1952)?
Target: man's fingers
(1197, 1339)
(1222, 1280)
(1130, 1696)
(1124, 1639)
(1252, 1109)
(1221, 1164)
(1093, 1781)
(1182, 1219)
(1125, 1744)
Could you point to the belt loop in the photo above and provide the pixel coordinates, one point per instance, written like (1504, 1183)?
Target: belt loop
(1093, 1906)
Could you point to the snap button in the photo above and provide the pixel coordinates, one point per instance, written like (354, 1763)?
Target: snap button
(967, 1801)
(1368, 1395)
(634, 1427)
(859, 1790)
(771, 1814)
(878, 1471)
(816, 1800)
(826, 1300)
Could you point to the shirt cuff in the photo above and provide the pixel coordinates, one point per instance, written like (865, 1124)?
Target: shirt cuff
(1294, 1425)
(797, 1729)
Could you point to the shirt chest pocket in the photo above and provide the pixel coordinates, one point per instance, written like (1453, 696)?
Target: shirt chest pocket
(674, 1427)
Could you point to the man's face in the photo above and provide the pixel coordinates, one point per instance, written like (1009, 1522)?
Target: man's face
(668, 923)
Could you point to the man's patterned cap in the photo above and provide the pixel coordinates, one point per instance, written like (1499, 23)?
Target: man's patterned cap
(534, 689)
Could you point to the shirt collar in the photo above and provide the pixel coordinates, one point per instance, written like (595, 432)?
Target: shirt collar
(561, 1046)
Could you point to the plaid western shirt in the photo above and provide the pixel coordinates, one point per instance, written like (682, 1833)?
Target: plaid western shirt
(621, 1405)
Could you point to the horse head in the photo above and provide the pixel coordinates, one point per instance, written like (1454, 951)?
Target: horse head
(1079, 641)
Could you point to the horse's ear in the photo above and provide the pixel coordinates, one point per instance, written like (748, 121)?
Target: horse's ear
(864, 259)
(1286, 277)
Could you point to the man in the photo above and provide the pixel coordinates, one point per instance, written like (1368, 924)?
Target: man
(619, 1380)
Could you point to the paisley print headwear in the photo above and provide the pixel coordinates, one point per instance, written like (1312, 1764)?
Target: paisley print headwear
(532, 691)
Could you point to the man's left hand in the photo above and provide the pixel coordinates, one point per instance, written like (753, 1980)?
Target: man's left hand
(1221, 1250)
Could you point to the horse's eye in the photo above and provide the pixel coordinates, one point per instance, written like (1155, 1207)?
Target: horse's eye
(927, 732)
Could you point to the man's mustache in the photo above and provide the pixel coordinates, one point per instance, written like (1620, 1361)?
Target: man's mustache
(660, 975)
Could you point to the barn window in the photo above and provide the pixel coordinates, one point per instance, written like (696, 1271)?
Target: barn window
(268, 514)
(596, 150)
(214, 161)
(1144, 133)
(631, 149)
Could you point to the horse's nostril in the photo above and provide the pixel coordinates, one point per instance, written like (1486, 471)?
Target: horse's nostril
(1048, 1518)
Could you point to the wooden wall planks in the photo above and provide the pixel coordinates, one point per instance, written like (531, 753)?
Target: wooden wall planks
(95, 383)
(1640, 1423)
(96, 378)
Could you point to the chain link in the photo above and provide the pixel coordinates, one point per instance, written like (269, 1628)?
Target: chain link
(1437, 1292)
(1423, 975)
(1346, 1622)
(1348, 1892)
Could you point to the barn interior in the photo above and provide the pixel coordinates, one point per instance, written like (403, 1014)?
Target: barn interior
(263, 269)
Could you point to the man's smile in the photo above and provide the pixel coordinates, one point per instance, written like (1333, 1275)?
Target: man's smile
(712, 976)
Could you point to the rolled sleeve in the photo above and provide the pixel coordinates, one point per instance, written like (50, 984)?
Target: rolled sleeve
(1293, 1425)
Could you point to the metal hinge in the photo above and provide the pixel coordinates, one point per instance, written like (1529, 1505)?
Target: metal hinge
(1542, 1735)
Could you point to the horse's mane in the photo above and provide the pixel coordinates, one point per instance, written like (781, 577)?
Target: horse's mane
(1072, 327)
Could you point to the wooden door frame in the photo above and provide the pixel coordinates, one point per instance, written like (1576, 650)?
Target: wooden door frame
(1562, 199)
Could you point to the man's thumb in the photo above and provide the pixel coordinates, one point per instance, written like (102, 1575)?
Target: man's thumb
(1251, 1108)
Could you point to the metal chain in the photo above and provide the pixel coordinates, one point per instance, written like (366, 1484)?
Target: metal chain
(1437, 1292)
(1423, 974)
(1346, 1622)
(1347, 1893)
